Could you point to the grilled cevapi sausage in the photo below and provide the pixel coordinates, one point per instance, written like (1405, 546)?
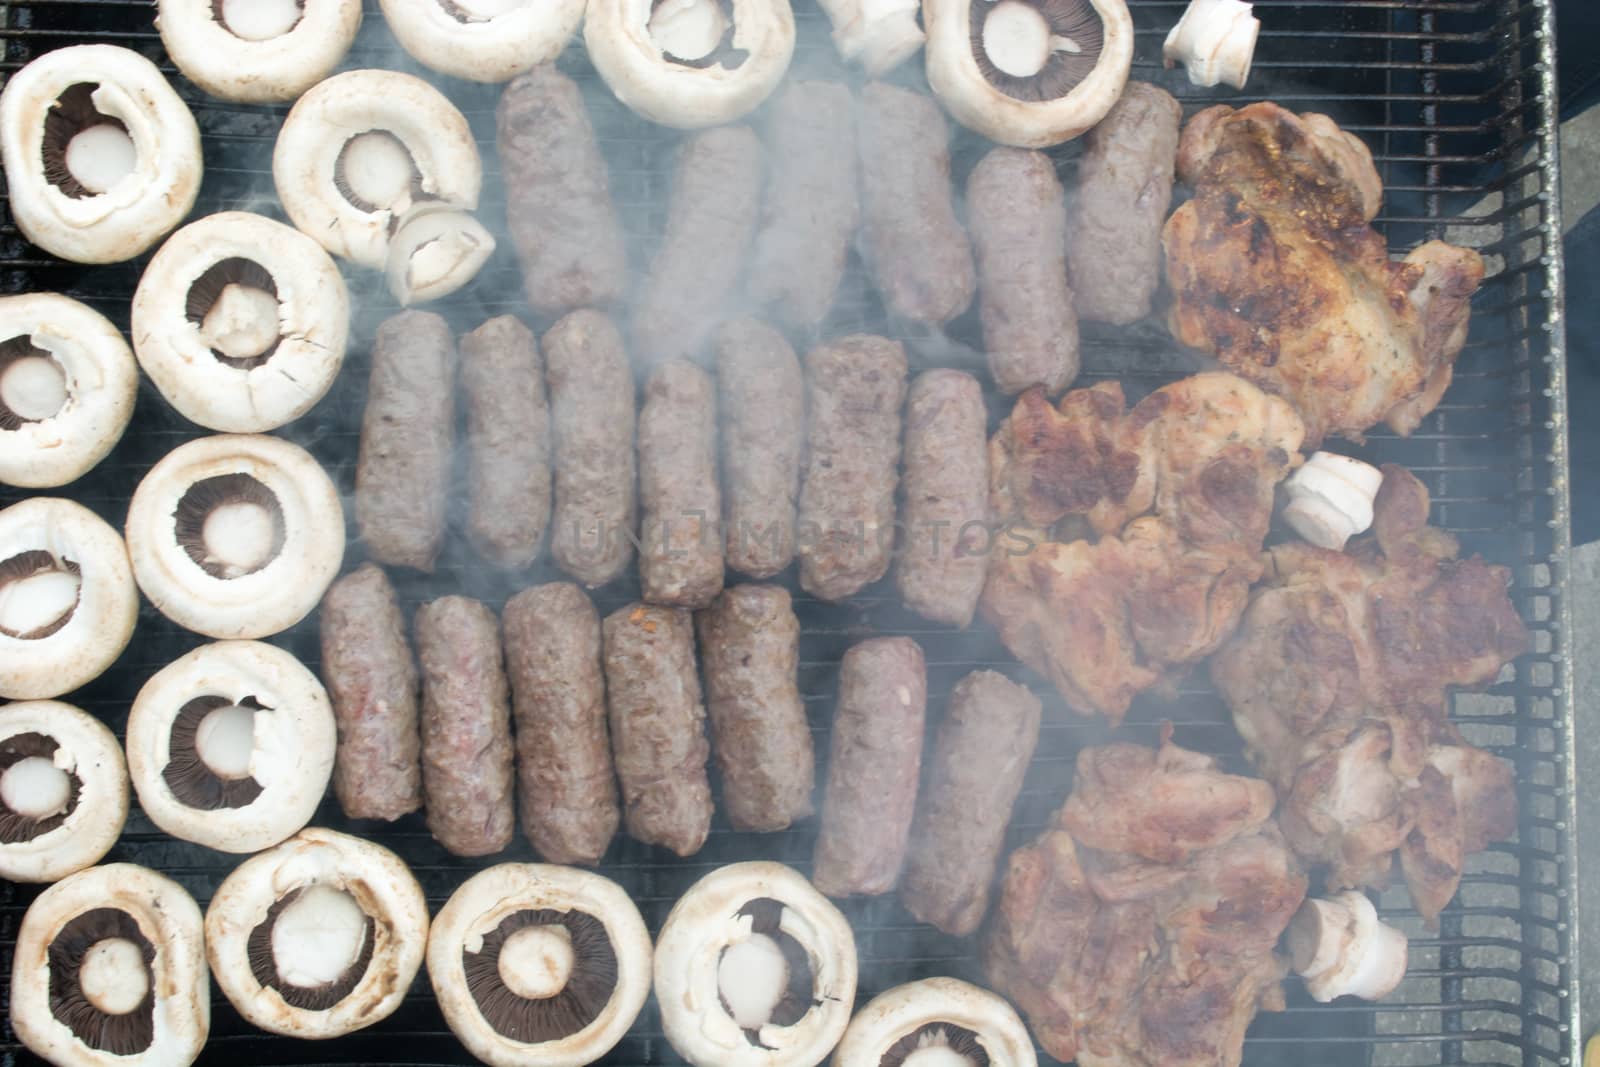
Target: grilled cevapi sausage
(716, 202)
(566, 784)
(812, 205)
(1018, 218)
(508, 442)
(944, 551)
(750, 649)
(658, 731)
(680, 557)
(558, 197)
(874, 759)
(920, 258)
(1124, 190)
(591, 438)
(466, 727)
(855, 387)
(763, 406)
(372, 683)
(980, 753)
(407, 433)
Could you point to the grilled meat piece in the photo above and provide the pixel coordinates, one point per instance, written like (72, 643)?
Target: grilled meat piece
(761, 396)
(508, 442)
(680, 559)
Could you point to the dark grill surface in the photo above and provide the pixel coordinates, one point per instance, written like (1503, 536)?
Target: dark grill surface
(1455, 99)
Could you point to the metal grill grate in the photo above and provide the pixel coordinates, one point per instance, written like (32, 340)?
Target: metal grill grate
(1454, 97)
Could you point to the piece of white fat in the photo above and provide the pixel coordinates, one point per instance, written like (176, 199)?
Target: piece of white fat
(1215, 40)
(1330, 499)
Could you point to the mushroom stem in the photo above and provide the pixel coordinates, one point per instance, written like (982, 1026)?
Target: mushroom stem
(1330, 499)
(378, 170)
(243, 323)
(318, 936)
(100, 156)
(260, 20)
(1017, 38)
(113, 976)
(35, 787)
(225, 741)
(752, 977)
(1341, 948)
(38, 601)
(484, 10)
(240, 535)
(687, 29)
(537, 961)
(34, 388)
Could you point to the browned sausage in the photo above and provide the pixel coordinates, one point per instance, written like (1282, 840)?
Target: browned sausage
(1018, 218)
(466, 727)
(372, 682)
(566, 785)
(873, 762)
(750, 648)
(658, 733)
(508, 441)
(980, 753)
(680, 558)
(944, 552)
(763, 432)
(407, 432)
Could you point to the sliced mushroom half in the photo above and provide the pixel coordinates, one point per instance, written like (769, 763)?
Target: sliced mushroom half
(101, 156)
(231, 746)
(363, 148)
(67, 383)
(257, 51)
(878, 34)
(690, 63)
(110, 971)
(1031, 73)
(241, 322)
(436, 250)
(67, 598)
(538, 964)
(483, 40)
(937, 1022)
(755, 968)
(63, 790)
(319, 936)
(236, 535)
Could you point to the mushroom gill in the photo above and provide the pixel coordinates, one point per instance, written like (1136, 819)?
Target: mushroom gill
(231, 525)
(1036, 50)
(508, 956)
(937, 1044)
(93, 992)
(313, 947)
(85, 153)
(36, 796)
(209, 756)
(234, 304)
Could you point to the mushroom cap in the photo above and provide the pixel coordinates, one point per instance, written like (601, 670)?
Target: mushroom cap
(291, 749)
(313, 325)
(100, 625)
(263, 601)
(707, 920)
(257, 72)
(329, 115)
(488, 898)
(617, 36)
(900, 1012)
(976, 103)
(131, 216)
(495, 47)
(381, 884)
(89, 752)
(101, 379)
(167, 918)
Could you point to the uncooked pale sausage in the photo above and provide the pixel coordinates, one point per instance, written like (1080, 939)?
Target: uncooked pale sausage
(566, 784)
(873, 762)
(750, 649)
(1018, 218)
(466, 727)
(980, 753)
(658, 733)
(762, 401)
(508, 442)
(407, 432)
(680, 558)
(372, 682)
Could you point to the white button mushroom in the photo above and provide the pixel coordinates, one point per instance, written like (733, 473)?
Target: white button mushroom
(363, 148)
(236, 535)
(435, 251)
(257, 51)
(690, 63)
(1329, 499)
(1341, 948)
(538, 964)
(63, 790)
(319, 936)
(241, 322)
(110, 971)
(877, 34)
(1215, 40)
(101, 156)
(1031, 73)
(231, 746)
(937, 1022)
(483, 40)
(67, 599)
(67, 383)
(755, 968)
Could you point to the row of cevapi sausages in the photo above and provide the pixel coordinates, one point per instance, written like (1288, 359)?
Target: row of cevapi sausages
(810, 460)
(569, 706)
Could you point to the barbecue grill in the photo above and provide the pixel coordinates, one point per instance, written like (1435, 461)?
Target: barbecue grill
(1456, 99)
